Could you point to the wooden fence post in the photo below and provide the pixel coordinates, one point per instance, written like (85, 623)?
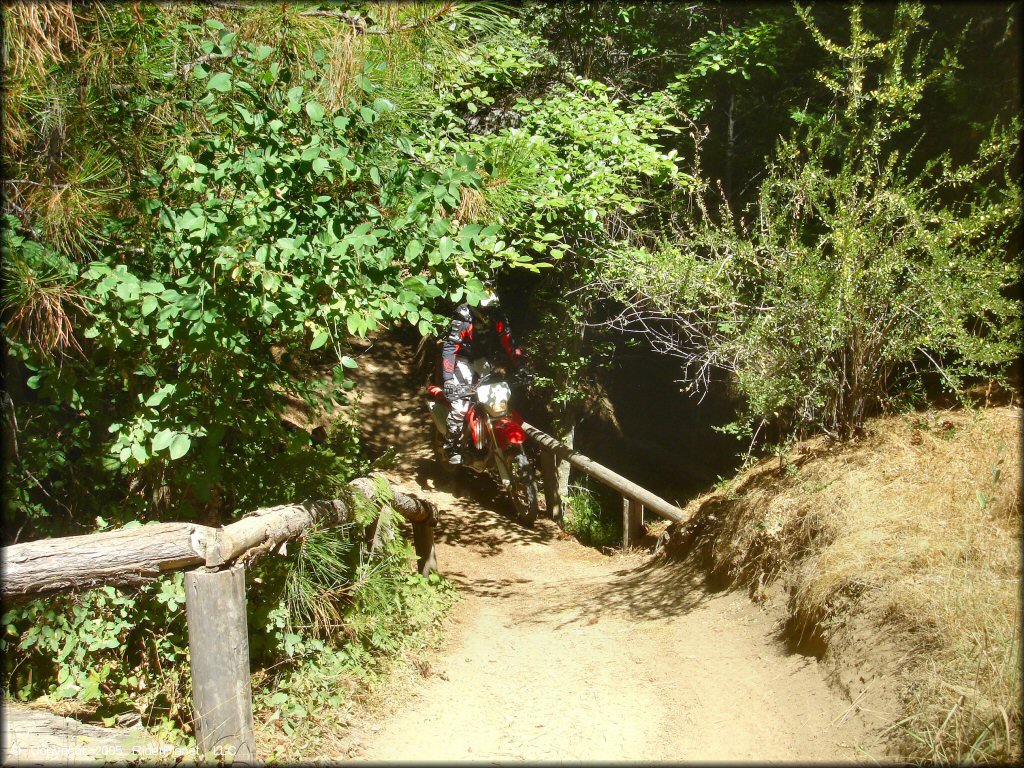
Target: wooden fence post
(549, 475)
(632, 521)
(423, 541)
(218, 644)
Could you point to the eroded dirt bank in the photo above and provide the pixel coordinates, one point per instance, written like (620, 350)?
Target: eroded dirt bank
(559, 652)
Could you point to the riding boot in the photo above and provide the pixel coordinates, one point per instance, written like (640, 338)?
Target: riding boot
(451, 449)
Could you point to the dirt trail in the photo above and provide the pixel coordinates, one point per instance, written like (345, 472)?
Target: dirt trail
(561, 652)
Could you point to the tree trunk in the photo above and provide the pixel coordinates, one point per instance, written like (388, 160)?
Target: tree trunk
(730, 146)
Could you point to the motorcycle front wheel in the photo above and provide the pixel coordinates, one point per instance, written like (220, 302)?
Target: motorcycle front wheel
(522, 489)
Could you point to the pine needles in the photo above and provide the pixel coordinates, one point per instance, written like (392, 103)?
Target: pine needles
(39, 306)
(36, 34)
(321, 580)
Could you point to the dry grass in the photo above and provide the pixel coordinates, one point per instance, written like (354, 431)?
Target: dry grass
(472, 206)
(348, 55)
(918, 525)
(40, 309)
(36, 34)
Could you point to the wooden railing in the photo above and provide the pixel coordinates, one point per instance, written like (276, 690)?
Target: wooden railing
(214, 560)
(635, 498)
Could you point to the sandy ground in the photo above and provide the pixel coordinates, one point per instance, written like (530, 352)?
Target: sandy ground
(559, 652)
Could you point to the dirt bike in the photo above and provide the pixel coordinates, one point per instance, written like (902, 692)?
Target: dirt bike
(492, 439)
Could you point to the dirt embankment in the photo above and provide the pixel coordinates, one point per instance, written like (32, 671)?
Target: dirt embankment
(898, 559)
(558, 652)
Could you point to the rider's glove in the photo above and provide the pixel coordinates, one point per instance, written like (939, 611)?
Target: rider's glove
(451, 389)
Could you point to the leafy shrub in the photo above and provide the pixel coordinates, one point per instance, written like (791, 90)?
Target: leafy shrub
(203, 208)
(860, 268)
(595, 516)
(107, 649)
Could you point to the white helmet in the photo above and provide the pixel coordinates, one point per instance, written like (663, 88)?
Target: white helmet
(487, 305)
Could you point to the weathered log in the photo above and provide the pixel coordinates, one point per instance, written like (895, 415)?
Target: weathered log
(411, 508)
(269, 528)
(218, 643)
(125, 557)
(423, 541)
(132, 556)
(608, 477)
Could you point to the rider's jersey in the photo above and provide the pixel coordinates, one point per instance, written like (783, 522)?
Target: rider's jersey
(472, 337)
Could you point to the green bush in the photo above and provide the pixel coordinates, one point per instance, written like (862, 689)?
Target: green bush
(109, 649)
(861, 268)
(595, 515)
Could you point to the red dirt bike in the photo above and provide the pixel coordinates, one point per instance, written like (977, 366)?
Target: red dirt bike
(492, 440)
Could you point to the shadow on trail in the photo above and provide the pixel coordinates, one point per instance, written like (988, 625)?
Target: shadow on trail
(482, 517)
(395, 417)
(386, 409)
(489, 588)
(647, 592)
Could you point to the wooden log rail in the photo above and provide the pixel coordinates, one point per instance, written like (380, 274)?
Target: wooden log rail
(132, 556)
(635, 498)
(214, 587)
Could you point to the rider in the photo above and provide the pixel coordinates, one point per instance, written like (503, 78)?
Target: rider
(472, 339)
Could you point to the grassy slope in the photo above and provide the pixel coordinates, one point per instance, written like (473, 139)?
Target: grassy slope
(899, 556)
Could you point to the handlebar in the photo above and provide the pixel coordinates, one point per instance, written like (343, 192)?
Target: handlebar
(469, 390)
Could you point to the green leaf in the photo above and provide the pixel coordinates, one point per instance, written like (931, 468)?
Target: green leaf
(180, 445)
(162, 439)
(139, 452)
(159, 396)
(348, 362)
(315, 111)
(262, 52)
(220, 82)
(127, 291)
(321, 165)
(91, 690)
(319, 340)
